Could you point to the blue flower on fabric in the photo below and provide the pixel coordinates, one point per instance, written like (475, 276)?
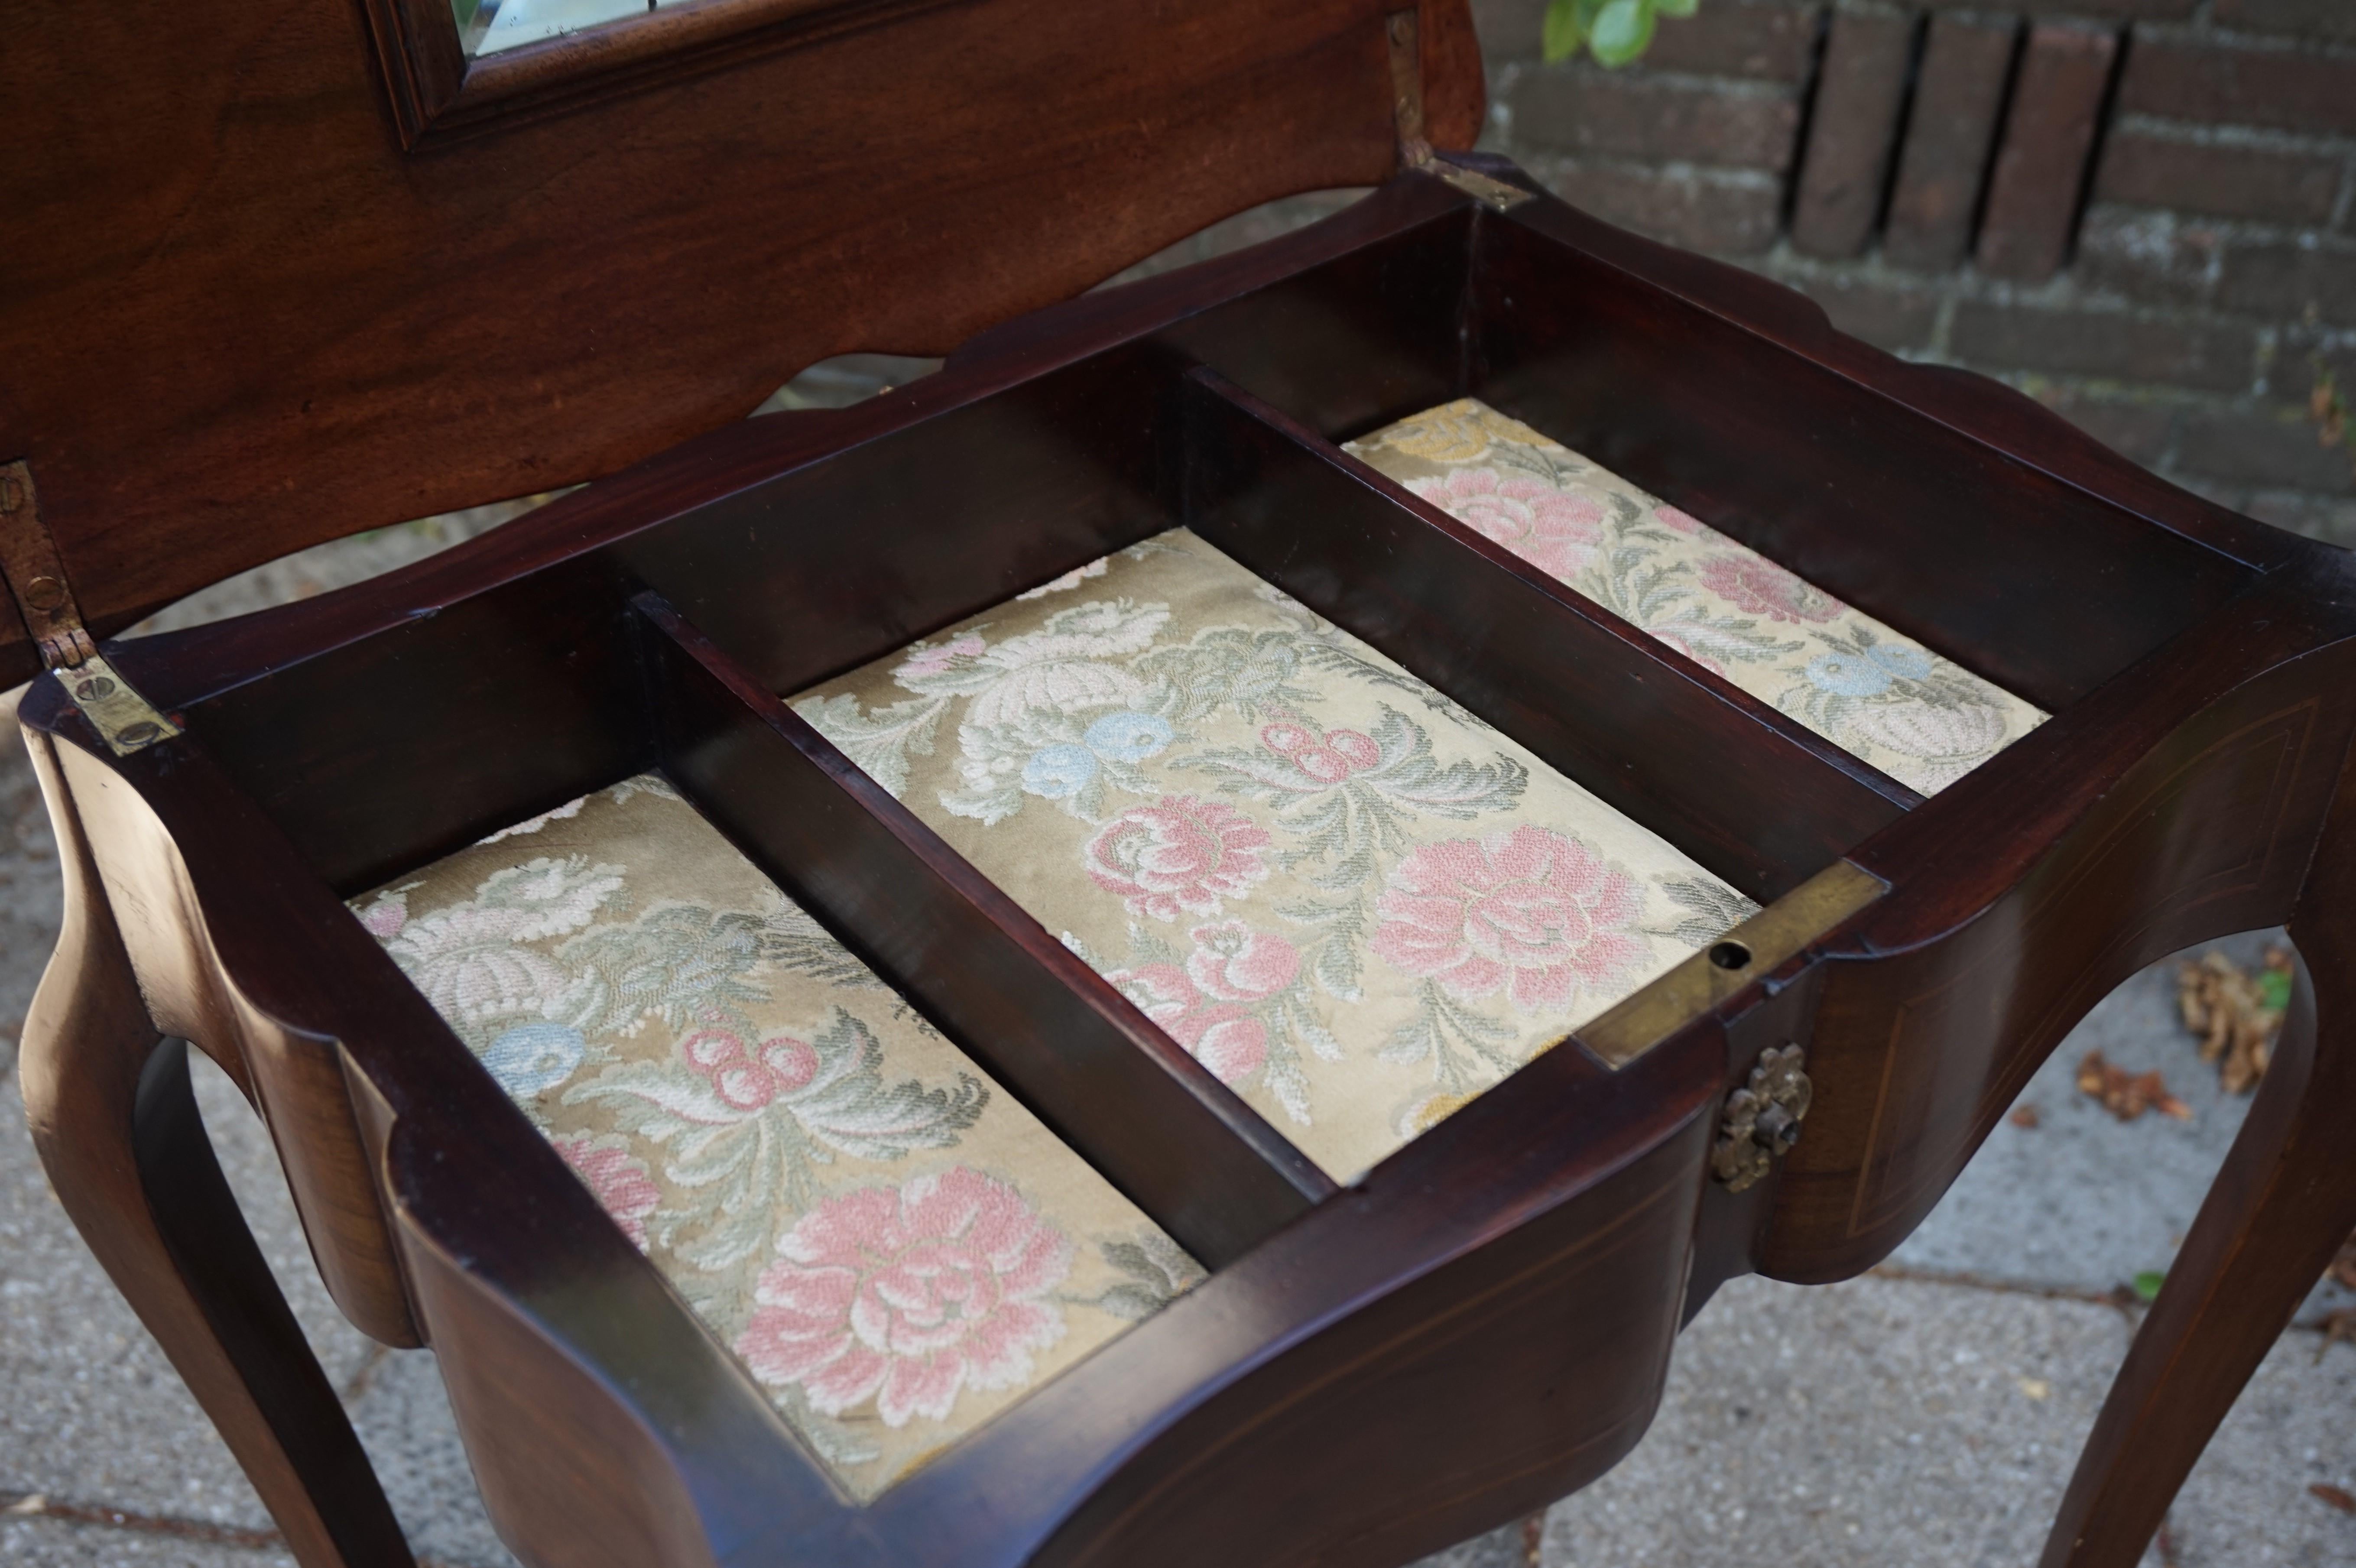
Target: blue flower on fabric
(1127, 737)
(533, 1056)
(1056, 772)
(1906, 664)
(1846, 675)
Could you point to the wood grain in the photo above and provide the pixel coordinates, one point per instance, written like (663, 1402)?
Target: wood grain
(285, 329)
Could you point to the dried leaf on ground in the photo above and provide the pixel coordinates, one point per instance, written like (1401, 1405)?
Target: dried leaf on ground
(2127, 1095)
(2343, 1267)
(2024, 1116)
(2236, 1013)
(2335, 1496)
(2341, 1325)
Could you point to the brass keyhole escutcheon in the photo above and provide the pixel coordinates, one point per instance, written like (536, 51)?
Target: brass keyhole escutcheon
(1762, 1118)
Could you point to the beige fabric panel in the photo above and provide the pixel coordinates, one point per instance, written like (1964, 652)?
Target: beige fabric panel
(1350, 898)
(1919, 718)
(892, 1245)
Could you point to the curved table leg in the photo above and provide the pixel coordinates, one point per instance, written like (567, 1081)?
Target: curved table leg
(116, 1124)
(2281, 1206)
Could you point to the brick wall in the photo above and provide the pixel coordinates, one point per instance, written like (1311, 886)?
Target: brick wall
(2141, 212)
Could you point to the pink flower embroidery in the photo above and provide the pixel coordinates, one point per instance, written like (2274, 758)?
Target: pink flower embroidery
(1676, 521)
(909, 1296)
(1180, 853)
(1328, 759)
(750, 1080)
(1236, 963)
(1530, 910)
(1758, 587)
(1207, 1006)
(1557, 533)
(386, 917)
(935, 661)
(620, 1183)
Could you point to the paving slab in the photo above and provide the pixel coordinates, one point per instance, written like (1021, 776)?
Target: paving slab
(404, 1422)
(44, 1542)
(1909, 1422)
(93, 1412)
(2083, 1201)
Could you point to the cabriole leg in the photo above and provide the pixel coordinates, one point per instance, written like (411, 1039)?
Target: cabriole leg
(116, 1124)
(2281, 1206)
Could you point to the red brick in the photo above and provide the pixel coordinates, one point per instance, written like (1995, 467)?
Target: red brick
(2214, 83)
(2273, 446)
(1594, 110)
(2330, 519)
(1775, 41)
(2230, 181)
(2095, 10)
(1849, 140)
(2157, 256)
(1889, 318)
(1509, 29)
(1731, 214)
(2332, 19)
(2304, 351)
(2040, 169)
(2137, 429)
(2109, 345)
(2287, 281)
(1957, 97)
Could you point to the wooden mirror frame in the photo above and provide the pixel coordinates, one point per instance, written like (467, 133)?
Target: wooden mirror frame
(240, 317)
(439, 93)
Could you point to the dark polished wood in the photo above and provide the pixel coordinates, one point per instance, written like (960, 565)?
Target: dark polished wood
(1483, 1321)
(286, 326)
(117, 1129)
(1755, 798)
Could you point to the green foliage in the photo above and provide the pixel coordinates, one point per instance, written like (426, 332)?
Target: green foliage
(1614, 31)
(2147, 1284)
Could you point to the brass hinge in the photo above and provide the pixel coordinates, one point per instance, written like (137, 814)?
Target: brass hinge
(1406, 88)
(28, 560)
(1415, 151)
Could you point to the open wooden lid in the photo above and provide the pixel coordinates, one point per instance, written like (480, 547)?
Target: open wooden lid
(278, 273)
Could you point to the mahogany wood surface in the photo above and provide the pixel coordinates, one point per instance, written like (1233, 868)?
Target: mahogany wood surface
(117, 1129)
(1504, 1289)
(239, 317)
(2281, 1208)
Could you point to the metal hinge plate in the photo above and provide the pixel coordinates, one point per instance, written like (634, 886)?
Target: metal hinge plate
(1404, 29)
(126, 721)
(1493, 194)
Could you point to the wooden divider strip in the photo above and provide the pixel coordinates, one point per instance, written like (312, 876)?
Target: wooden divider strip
(1754, 797)
(1180, 1145)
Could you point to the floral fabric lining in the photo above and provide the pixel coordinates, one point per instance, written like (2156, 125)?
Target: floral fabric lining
(1887, 699)
(893, 1247)
(1347, 896)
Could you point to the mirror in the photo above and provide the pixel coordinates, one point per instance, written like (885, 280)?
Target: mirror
(487, 26)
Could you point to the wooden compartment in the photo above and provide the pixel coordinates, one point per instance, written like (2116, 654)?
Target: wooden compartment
(662, 618)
